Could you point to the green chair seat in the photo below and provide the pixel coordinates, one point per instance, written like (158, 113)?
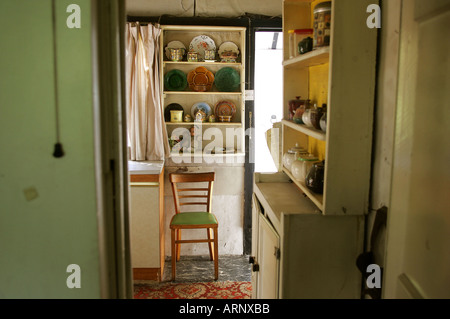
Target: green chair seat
(194, 218)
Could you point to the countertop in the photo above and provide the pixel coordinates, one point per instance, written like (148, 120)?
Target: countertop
(145, 167)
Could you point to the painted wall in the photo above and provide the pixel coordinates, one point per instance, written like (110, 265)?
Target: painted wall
(48, 206)
(227, 206)
(203, 8)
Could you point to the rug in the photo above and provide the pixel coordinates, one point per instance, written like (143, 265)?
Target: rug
(199, 290)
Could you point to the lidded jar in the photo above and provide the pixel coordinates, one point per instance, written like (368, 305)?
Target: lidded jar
(302, 165)
(316, 115)
(322, 24)
(290, 156)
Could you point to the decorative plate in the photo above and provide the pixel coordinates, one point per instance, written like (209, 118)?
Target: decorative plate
(227, 80)
(171, 107)
(203, 107)
(228, 46)
(201, 43)
(175, 80)
(225, 108)
(200, 79)
(174, 45)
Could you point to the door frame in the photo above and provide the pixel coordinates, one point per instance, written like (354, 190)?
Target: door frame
(268, 25)
(111, 173)
(252, 23)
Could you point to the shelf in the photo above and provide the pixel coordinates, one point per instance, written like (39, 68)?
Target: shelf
(188, 97)
(237, 64)
(310, 131)
(315, 57)
(206, 123)
(200, 93)
(237, 153)
(316, 198)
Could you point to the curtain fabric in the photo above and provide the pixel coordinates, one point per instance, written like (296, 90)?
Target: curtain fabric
(147, 136)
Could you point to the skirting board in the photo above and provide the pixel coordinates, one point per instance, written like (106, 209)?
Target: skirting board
(147, 274)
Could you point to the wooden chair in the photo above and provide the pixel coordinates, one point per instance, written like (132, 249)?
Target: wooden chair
(194, 193)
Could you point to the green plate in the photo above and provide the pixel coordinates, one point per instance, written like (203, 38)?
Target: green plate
(175, 80)
(227, 80)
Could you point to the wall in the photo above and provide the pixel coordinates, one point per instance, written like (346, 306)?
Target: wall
(48, 206)
(203, 8)
(227, 206)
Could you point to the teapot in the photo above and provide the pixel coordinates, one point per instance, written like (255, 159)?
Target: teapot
(315, 177)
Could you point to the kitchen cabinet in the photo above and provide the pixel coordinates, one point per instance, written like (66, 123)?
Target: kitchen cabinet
(147, 222)
(305, 244)
(342, 76)
(225, 134)
(297, 251)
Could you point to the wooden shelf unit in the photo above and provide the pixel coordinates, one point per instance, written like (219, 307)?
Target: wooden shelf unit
(341, 75)
(188, 98)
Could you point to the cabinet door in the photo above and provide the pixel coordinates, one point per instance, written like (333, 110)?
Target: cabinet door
(256, 211)
(144, 208)
(268, 260)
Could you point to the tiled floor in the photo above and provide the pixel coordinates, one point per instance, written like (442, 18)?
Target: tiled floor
(201, 269)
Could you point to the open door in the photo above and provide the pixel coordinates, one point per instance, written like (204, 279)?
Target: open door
(418, 254)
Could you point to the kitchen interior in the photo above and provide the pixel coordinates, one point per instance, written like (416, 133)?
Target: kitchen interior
(321, 219)
(386, 150)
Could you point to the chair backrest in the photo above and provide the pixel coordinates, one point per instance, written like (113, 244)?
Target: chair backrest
(192, 189)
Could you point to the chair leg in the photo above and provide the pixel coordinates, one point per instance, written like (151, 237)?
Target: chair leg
(178, 246)
(210, 244)
(216, 255)
(173, 253)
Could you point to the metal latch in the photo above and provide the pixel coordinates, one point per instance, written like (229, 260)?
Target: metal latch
(276, 252)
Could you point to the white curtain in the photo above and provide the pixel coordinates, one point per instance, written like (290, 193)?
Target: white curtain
(147, 136)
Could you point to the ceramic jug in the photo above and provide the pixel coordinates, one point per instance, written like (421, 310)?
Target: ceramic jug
(315, 176)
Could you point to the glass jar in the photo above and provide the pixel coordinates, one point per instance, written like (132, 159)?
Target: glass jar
(290, 156)
(302, 165)
(316, 115)
(322, 24)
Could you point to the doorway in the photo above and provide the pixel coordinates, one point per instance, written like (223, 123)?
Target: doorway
(268, 93)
